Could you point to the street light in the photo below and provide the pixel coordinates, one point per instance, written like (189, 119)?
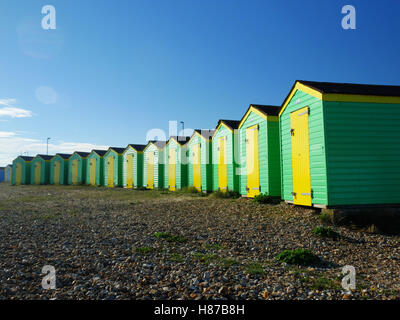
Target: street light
(48, 145)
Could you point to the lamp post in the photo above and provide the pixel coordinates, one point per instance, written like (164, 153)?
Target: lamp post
(48, 145)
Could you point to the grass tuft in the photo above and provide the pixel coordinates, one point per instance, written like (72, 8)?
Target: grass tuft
(169, 237)
(264, 199)
(254, 268)
(325, 217)
(230, 194)
(189, 190)
(205, 257)
(325, 232)
(176, 257)
(302, 257)
(143, 250)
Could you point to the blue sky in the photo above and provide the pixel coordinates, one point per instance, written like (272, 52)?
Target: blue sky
(113, 70)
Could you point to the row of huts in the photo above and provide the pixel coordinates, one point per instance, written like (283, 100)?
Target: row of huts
(328, 144)
(5, 173)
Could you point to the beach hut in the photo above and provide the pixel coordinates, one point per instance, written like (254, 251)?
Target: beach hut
(2, 174)
(21, 170)
(59, 169)
(259, 149)
(153, 165)
(339, 144)
(9, 173)
(113, 162)
(132, 170)
(225, 155)
(175, 170)
(200, 160)
(40, 169)
(95, 168)
(77, 168)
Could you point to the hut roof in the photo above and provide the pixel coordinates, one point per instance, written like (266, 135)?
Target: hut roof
(353, 88)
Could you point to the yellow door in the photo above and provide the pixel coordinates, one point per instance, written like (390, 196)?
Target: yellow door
(75, 167)
(38, 169)
(300, 157)
(150, 170)
(110, 171)
(172, 169)
(56, 178)
(18, 174)
(92, 165)
(222, 168)
(252, 162)
(129, 171)
(197, 167)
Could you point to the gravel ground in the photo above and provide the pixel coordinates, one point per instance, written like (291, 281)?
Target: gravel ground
(102, 244)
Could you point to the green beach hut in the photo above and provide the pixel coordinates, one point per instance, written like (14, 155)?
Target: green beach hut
(259, 150)
(95, 168)
(59, 169)
(77, 168)
(153, 164)
(339, 144)
(9, 173)
(199, 149)
(113, 162)
(40, 169)
(21, 170)
(176, 163)
(225, 155)
(132, 170)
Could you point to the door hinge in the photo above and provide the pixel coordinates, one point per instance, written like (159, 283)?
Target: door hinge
(292, 132)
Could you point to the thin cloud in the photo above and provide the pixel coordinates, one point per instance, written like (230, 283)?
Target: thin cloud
(7, 101)
(9, 110)
(7, 134)
(12, 145)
